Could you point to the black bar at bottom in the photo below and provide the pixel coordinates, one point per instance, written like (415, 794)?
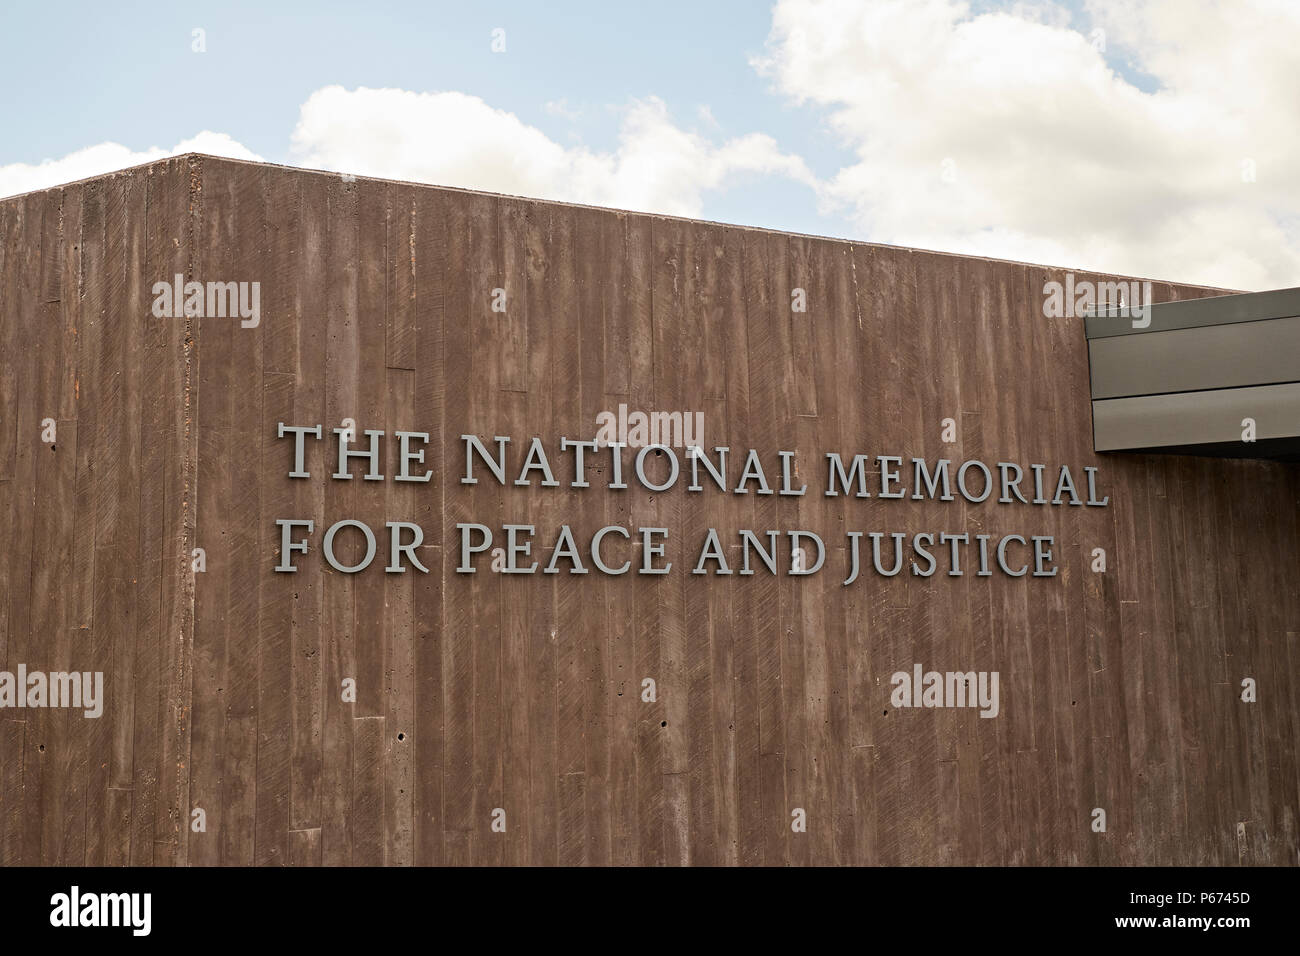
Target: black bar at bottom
(661, 907)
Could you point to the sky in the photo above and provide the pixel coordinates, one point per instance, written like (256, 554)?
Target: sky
(1152, 138)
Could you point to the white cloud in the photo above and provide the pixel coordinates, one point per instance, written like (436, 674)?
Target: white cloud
(1052, 156)
(107, 157)
(454, 139)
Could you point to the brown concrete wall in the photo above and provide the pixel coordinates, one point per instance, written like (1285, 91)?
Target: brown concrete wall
(475, 692)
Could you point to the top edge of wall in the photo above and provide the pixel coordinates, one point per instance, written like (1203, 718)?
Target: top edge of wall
(200, 160)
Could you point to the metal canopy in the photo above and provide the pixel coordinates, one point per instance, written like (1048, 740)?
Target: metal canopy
(1218, 376)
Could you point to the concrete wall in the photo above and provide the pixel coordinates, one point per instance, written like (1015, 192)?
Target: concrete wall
(1119, 690)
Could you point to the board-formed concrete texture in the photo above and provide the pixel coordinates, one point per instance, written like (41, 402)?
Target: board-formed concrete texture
(1146, 700)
